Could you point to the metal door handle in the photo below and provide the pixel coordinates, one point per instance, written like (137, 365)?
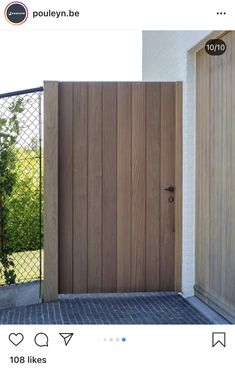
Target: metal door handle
(171, 188)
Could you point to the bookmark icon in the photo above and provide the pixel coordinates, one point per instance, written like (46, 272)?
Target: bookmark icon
(218, 338)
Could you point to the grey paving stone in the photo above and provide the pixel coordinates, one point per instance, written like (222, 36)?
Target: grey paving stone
(118, 308)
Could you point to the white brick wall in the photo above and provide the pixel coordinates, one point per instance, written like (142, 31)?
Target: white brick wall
(166, 58)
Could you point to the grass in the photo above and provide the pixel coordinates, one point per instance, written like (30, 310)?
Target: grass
(27, 266)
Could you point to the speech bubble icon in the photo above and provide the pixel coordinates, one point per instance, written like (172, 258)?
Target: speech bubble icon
(41, 340)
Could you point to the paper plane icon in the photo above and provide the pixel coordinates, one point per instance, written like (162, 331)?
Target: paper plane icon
(67, 337)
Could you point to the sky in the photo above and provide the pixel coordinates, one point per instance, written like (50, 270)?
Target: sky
(30, 57)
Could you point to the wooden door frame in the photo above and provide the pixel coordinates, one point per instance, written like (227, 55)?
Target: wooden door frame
(178, 184)
(50, 288)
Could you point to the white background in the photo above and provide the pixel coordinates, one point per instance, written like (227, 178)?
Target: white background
(30, 57)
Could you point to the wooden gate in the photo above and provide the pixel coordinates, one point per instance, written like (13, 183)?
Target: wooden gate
(119, 147)
(215, 186)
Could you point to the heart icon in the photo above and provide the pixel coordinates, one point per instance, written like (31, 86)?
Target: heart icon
(16, 339)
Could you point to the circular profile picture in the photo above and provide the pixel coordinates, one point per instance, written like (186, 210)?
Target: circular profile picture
(16, 13)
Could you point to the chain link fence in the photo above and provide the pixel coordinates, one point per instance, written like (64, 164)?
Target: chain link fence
(21, 187)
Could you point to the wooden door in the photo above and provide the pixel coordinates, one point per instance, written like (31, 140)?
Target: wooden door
(119, 148)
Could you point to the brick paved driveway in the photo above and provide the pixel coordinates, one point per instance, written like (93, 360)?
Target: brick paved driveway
(121, 308)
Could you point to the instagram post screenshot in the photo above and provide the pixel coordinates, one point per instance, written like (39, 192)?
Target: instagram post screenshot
(117, 184)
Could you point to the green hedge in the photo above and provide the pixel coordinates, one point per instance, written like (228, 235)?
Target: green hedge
(23, 219)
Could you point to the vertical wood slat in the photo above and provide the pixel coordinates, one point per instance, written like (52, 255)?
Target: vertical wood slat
(80, 194)
(153, 92)
(94, 187)
(178, 184)
(203, 168)
(215, 180)
(167, 265)
(138, 188)
(220, 153)
(201, 209)
(232, 261)
(65, 187)
(198, 236)
(228, 287)
(124, 142)
(225, 164)
(50, 291)
(212, 195)
(109, 221)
